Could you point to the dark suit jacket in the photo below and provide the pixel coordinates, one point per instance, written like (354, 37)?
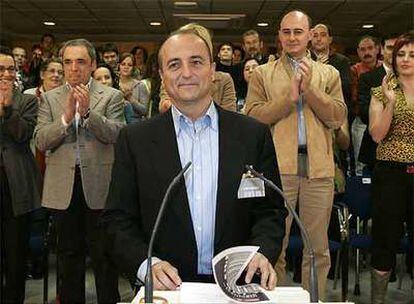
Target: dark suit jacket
(146, 160)
(23, 175)
(372, 79)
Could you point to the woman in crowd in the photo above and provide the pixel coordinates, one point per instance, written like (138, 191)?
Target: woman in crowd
(391, 117)
(106, 76)
(248, 67)
(134, 90)
(152, 83)
(51, 76)
(140, 55)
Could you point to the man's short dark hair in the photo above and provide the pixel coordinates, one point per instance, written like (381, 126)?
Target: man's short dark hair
(225, 43)
(4, 50)
(251, 33)
(144, 51)
(239, 48)
(109, 48)
(47, 35)
(327, 26)
(370, 37)
(299, 11)
(80, 42)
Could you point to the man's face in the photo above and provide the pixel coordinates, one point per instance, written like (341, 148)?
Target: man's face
(7, 70)
(294, 34)
(321, 39)
(77, 65)
(47, 42)
(37, 54)
(387, 50)
(252, 45)
(225, 53)
(111, 59)
(237, 56)
(139, 57)
(53, 76)
(368, 51)
(19, 55)
(186, 69)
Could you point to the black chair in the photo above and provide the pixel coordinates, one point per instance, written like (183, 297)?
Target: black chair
(338, 227)
(358, 199)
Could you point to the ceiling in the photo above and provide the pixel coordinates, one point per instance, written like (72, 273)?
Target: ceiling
(128, 20)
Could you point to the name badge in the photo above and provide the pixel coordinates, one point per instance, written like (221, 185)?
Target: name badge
(251, 187)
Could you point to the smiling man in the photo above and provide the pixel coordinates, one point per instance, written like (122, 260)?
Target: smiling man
(302, 102)
(205, 215)
(78, 123)
(19, 179)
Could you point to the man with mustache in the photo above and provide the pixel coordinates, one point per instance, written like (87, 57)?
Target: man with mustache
(368, 50)
(253, 46)
(302, 101)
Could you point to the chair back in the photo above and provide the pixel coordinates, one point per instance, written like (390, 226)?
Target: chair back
(358, 196)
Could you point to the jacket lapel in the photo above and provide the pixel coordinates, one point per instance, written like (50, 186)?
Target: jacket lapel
(96, 94)
(167, 165)
(230, 169)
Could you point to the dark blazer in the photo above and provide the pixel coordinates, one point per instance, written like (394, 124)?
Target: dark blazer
(372, 79)
(23, 175)
(146, 160)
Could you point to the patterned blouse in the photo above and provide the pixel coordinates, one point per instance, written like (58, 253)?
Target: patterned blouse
(398, 144)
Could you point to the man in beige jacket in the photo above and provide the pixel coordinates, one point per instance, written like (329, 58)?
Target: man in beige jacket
(78, 123)
(301, 100)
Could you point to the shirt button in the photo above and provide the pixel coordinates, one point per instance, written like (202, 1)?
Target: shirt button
(198, 228)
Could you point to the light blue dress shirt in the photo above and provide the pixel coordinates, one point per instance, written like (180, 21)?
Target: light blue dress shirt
(198, 142)
(301, 117)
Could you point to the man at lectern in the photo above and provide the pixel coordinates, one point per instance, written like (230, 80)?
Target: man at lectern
(209, 211)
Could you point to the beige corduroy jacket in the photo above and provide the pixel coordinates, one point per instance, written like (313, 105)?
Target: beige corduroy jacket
(324, 109)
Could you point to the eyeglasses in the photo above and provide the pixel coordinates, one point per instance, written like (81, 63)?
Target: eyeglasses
(10, 69)
(54, 71)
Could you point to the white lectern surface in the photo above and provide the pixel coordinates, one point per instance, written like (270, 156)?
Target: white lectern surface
(203, 293)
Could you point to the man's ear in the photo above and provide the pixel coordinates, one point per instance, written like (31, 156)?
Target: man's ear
(213, 70)
(161, 74)
(93, 65)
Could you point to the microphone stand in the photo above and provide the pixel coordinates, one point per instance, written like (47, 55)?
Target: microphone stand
(313, 277)
(149, 288)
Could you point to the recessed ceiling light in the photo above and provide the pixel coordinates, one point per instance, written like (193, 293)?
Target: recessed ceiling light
(186, 4)
(155, 23)
(368, 26)
(263, 24)
(50, 23)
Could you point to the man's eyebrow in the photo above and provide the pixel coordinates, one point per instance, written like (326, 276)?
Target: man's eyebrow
(172, 59)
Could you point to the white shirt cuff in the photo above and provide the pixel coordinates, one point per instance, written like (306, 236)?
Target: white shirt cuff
(66, 124)
(142, 270)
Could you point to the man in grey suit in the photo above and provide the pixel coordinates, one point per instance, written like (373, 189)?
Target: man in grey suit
(78, 123)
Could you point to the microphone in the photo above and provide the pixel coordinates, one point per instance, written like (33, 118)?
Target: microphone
(313, 277)
(149, 288)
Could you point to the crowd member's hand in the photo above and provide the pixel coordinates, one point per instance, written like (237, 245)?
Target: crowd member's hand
(6, 94)
(260, 265)
(306, 74)
(165, 276)
(70, 106)
(165, 105)
(387, 90)
(81, 94)
(295, 87)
